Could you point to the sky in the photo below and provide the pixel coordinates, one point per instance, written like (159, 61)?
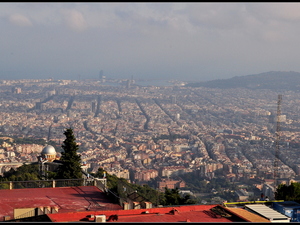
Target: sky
(178, 40)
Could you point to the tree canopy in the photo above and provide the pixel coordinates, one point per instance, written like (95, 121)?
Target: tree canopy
(71, 161)
(169, 197)
(172, 197)
(288, 192)
(22, 173)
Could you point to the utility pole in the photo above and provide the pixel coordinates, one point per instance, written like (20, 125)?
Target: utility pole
(277, 140)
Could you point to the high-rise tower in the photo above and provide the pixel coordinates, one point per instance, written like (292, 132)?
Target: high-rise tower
(102, 78)
(277, 133)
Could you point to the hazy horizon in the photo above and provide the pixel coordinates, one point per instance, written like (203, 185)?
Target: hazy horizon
(184, 41)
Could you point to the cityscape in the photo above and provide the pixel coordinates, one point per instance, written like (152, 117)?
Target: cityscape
(149, 112)
(156, 132)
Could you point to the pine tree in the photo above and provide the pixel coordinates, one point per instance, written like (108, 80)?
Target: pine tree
(71, 161)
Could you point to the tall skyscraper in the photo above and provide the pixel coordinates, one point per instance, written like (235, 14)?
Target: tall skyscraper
(16, 90)
(93, 106)
(102, 78)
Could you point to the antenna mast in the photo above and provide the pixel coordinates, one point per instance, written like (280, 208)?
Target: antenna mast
(277, 140)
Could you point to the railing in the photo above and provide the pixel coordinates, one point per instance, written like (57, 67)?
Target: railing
(69, 182)
(100, 183)
(249, 202)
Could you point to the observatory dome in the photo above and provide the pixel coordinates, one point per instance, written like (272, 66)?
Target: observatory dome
(49, 153)
(49, 150)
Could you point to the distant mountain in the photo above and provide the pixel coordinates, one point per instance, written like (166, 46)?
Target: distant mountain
(275, 80)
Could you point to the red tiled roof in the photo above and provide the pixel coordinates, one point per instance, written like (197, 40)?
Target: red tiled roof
(77, 204)
(190, 213)
(67, 199)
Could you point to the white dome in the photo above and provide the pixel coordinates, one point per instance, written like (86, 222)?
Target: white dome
(49, 150)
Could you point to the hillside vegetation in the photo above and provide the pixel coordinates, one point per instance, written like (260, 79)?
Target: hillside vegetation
(274, 80)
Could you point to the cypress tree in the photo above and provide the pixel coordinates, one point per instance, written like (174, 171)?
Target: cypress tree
(71, 161)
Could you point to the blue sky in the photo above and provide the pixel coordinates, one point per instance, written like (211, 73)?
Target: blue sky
(184, 41)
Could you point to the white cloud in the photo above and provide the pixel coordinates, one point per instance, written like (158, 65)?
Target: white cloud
(165, 36)
(20, 20)
(280, 11)
(74, 19)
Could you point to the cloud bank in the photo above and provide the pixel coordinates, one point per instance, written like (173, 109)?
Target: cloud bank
(196, 41)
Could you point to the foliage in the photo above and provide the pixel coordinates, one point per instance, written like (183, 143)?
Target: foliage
(29, 141)
(26, 140)
(172, 197)
(51, 175)
(169, 197)
(222, 187)
(22, 173)
(71, 161)
(4, 185)
(288, 192)
(112, 183)
(112, 180)
(151, 194)
(201, 185)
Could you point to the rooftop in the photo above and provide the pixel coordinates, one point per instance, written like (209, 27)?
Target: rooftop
(65, 199)
(191, 213)
(86, 203)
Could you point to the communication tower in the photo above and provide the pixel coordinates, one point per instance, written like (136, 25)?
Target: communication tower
(277, 136)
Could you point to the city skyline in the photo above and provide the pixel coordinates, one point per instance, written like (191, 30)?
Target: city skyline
(186, 41)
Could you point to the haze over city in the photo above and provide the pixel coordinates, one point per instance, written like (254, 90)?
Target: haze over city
(186, 41)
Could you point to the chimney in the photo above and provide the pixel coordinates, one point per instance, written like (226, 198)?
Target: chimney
(54, 209)
(6, 218)
(100, 218)
(47, 210)
(148, 205)
(40, 210)
(125, 206)
(136, 205)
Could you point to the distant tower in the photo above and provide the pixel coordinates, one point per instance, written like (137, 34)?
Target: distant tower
(173, 99)
(277, 140)
(128, 83)
(93, 106)
(38, 105)
(102, 78)
(16, 90)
